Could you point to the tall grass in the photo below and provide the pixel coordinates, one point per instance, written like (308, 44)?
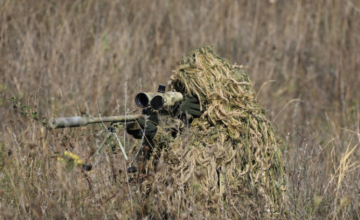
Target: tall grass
(67, 57)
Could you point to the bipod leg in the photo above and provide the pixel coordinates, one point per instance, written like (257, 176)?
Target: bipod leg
(112, 132)
(120, 145)
(108, 136)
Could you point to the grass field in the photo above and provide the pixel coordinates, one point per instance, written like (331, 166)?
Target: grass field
(61, 58)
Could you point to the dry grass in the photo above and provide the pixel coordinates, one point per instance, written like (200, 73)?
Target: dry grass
(63, 57)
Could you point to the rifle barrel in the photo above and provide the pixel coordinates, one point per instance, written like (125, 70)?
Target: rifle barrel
(77, 121)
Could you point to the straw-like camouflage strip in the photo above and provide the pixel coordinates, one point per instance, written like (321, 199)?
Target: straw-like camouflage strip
(228, 160)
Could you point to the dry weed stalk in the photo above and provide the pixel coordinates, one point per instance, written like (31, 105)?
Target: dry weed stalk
(346, 165)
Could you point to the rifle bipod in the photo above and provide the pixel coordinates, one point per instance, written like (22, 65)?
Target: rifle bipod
(112, 130)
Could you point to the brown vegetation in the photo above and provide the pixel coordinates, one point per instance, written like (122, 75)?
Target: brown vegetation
(67, 57)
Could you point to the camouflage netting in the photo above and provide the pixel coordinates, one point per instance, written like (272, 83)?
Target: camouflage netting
(227, 161)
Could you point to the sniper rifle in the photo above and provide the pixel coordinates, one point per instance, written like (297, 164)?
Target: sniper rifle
(157, 101)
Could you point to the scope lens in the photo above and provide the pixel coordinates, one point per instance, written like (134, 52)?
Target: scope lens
(142, 100)
(157, 102)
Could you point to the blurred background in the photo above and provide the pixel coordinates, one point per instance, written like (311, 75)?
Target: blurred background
(67, 57)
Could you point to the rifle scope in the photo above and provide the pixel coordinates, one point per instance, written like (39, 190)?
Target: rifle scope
(143, 99)
(159, 99)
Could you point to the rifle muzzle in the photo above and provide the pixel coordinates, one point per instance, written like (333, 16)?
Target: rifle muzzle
(67, 122)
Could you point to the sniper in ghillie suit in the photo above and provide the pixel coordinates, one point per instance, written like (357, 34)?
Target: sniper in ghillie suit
(207, 142)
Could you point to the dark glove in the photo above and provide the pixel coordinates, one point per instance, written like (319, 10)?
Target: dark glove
(190, 105)
(138, 128)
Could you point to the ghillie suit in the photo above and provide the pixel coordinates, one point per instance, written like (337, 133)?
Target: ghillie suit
(226, 162)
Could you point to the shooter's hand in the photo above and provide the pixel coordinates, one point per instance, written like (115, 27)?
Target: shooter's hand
(140, 127)
(191, 106)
